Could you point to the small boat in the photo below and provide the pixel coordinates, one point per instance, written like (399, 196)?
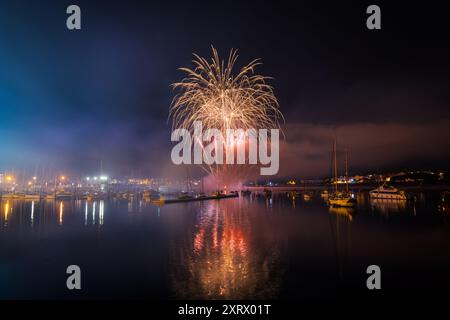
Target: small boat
(324, 194)
(200, 195)
(246, 193)
(387, 192)
(32, 196)
(63, 195)
(185, 196)
(341, 199)
(307, 196)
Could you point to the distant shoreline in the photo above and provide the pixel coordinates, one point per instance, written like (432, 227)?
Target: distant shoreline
(427, 187)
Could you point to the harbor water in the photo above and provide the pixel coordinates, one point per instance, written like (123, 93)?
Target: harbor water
(251, 247)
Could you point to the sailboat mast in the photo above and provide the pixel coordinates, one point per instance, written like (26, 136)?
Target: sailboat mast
(188, 182)
(346, 170)
(335, 164)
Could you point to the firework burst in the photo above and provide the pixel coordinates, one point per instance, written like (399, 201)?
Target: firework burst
(213, 94)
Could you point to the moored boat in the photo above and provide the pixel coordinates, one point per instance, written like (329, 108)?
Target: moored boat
(185, 196)
(324, 194)
(338, 198)
(307, 196)
(341, 199)
(32, 196)
(63, 195)
(387, 192)
(200, 195)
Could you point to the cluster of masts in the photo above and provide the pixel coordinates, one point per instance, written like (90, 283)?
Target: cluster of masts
(340, 198)
(345, 198)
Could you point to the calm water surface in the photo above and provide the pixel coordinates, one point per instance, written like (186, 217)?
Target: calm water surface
(245, 248)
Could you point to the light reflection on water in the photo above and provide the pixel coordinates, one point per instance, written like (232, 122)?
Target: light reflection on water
(6, 213)
(220, 259)
(387, 206)
(32, 213)
(22, 211)
(245, 248)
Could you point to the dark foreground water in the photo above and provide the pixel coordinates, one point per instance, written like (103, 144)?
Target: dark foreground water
(245, 248)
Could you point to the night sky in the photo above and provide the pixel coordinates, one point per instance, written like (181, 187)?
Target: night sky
(70, 99)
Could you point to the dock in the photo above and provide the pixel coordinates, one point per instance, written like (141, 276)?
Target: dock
(193, 199)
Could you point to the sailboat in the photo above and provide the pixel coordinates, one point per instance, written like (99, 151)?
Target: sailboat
(339, 198)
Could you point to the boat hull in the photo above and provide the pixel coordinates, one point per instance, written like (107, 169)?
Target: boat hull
(345, 202)
(387, 196)
(32, 197)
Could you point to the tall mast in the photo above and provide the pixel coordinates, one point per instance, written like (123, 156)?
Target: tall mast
(335, 164)
(346, 170)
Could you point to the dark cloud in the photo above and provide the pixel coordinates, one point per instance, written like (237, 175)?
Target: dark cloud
(372, 147)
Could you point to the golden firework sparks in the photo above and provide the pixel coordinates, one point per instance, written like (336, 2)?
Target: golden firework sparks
(212, 94)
